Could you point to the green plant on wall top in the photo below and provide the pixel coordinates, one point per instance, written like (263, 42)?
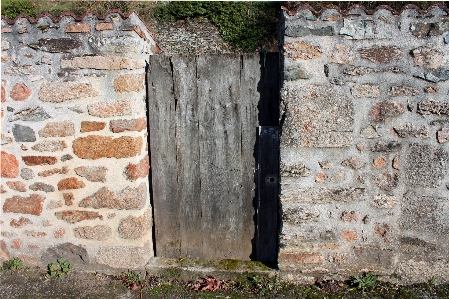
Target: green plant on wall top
(13, 8)
(245, 25)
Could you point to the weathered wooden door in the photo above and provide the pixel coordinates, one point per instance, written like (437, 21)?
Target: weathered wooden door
(203, 120)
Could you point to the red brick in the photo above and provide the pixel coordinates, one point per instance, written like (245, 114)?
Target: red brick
(39, 160)
(77, 28)
(140, 32)
(32, 205)
(9, 165)
(16, 244)
(6, 30)
(104, 26)
(140, 170)
(70, 183)
(301, 258)
(33, 246)
(20, 92)
(349, 235)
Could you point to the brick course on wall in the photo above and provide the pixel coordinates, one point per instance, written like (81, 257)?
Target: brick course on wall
(364, 147)
(74, 160)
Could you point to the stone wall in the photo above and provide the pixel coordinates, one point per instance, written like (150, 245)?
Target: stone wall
(364, 145)
(74, 160)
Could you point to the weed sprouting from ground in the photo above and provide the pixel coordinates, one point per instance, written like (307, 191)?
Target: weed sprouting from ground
(12, 265)
(63, 268)
(365, 282)
(131, 279)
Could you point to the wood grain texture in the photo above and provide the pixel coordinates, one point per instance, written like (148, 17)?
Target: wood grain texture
(162, 123)
(204, 116)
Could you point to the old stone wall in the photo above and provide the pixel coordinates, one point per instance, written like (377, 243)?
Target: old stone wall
(364, 145)
(74, 160)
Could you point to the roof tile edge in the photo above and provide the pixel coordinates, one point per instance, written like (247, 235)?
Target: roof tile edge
(292, 11)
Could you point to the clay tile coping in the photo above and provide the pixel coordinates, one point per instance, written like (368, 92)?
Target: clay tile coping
(70, 14)
(79, 18)
(292, 10)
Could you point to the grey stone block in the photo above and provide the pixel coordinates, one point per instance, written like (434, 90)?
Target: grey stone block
(428, 107)
(434, 76)
(424, 213)
(318, 116)
(426, 165)
(23, 134)
(56, 45)
(299, 31)
(323, 195)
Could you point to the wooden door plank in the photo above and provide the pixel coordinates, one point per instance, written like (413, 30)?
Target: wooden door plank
(220, 161)
(249, 77)
(162, 123)
(188, 154)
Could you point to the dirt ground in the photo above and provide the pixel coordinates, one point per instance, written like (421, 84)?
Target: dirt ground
(31, 283)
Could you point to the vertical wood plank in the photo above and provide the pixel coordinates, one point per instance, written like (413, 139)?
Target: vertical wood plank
(220, 156)
(203, 118)
(162, 123)
(249, 97)
(188, 155)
